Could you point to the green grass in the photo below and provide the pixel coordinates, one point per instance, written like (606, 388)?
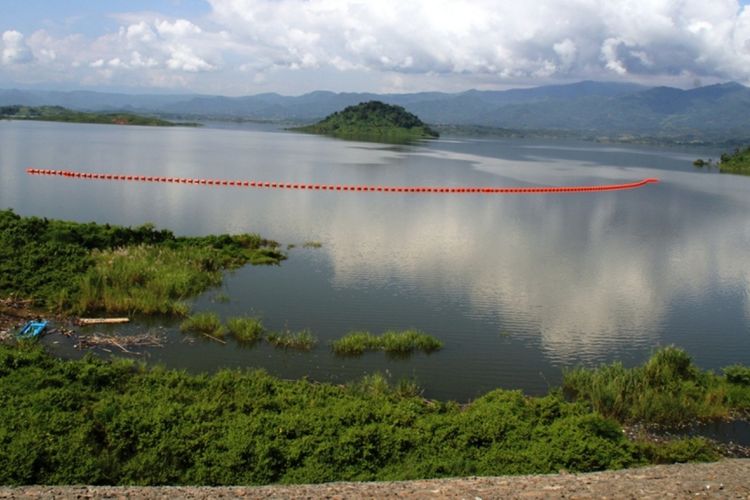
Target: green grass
(356, 343)
(668, 389)
(312, 244)
(204, 322)
(146, 279)
(246, 329)
(92, 421)
(302, 340)
(394, 342)
(75, 268)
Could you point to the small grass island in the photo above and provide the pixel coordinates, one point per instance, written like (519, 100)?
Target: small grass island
(61, 114)
(373, 121)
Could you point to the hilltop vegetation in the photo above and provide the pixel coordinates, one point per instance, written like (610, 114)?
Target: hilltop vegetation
(373, 121)
(60, 114)
(73, 267)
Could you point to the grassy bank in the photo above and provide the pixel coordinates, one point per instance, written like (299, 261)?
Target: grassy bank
(668, 389)
(393, 342)
(76, 268)
(97, 422)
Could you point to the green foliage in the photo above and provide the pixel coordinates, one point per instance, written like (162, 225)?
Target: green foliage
(60, 114)
(97, 422)
(394, 342)
(694, 449)
(667, 389)
(302, 340)
(205, 322)
(76, 267)
(246, 329)
(737, 374)
(736, 163)
(373, 121)
(356, 343)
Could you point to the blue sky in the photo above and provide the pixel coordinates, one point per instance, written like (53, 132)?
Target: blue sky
(236, 47)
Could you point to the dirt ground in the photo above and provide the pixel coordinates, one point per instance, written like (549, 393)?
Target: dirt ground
(729, 478)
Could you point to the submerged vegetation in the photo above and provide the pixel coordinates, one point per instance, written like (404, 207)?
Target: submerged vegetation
(303, 340)
(60, 114)
(373, 121)
(117, 422)
(393, 342)
(74, 268)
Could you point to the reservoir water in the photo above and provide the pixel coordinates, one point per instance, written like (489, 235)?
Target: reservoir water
(517, 287)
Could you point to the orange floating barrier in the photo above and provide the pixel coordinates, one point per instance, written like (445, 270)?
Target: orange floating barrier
(340, 187)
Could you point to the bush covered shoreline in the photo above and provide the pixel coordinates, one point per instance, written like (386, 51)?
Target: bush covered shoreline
(118, 422)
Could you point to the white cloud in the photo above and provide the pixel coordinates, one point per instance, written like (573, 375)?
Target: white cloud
(550, 38)
(179, 28)
(439, 44)
(182, 58)
(139, 61)
(15, 50)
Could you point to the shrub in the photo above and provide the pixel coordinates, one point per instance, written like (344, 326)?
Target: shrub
(91, 421)
(737, 374)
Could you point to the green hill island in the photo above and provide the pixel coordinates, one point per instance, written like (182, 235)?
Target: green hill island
(372, 121)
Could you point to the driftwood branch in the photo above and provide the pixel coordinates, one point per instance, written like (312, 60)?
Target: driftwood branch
(102, 321)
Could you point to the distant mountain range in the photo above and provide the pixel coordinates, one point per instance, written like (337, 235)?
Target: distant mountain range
(714, 112)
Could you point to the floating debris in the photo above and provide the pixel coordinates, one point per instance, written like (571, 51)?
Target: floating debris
(122, 342)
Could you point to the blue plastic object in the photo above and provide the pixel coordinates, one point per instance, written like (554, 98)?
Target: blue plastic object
(31, 330)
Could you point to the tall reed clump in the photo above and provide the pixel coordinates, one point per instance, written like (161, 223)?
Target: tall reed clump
(147, 279)
(205, 322)
(667, 389)
(246, 329)
(302, 340)
(393, 342)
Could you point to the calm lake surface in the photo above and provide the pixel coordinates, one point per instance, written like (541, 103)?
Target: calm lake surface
(517, 287)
